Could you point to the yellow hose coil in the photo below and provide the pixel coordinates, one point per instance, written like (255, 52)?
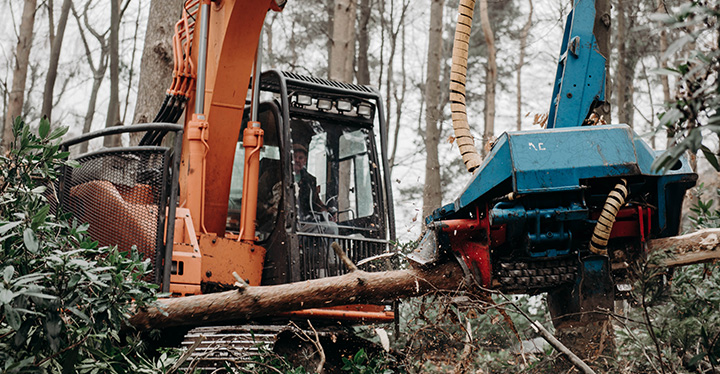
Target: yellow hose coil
(615, 201)
(458, 74)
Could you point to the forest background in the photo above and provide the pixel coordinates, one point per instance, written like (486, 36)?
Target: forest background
(76, 74)
(84, 68)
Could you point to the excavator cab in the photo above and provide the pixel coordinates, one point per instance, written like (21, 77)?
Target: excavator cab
(321, 177)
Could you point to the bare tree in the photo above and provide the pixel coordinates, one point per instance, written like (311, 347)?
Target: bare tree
(56, 45)
(491, 78)
(97, 67)
(113, 113)
(432, 194)
(521, 61)
(16, 98)
(363, 36)
(157, 59)
(342, 56)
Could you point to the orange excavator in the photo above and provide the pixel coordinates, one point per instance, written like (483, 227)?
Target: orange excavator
(259, 206)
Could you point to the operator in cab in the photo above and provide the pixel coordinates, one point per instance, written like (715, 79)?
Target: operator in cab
(309, 202)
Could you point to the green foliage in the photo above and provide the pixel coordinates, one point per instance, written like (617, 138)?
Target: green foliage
(704, 216)
(676, 313)
(694, 108)
(64, 301)
(361, 363)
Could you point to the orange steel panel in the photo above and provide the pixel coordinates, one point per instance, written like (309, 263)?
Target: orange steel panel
(187, 251)
(345, 315)
(184, 289)
(222, 257)
(233, 40)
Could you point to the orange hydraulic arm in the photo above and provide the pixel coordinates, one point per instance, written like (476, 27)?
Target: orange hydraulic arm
(211, 133)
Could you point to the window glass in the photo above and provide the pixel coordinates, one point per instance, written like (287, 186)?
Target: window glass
(333, 178)
(269, 179)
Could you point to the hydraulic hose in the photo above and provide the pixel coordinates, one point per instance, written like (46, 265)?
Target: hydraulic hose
(458, 74)
(601, 234)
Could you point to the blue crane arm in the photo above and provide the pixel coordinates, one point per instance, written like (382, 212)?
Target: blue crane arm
(580, 78)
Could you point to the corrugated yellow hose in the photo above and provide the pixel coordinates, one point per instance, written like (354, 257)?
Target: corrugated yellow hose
(458, 73)
(615, 201)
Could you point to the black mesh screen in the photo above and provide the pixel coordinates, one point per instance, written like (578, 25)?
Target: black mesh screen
(318, 260)
(120, 194)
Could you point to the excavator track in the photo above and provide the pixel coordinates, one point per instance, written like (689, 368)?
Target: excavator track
(536, 276)
(220, 344)
(213, 348)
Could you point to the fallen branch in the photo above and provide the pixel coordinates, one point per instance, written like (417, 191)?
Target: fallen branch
(580, 364)
(356, 287)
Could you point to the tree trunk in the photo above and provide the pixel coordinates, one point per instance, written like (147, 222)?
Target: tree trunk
(56, 46)
(621, 82)
(342, 56)
(113, 113)
(662, 62)
(92, 103)
(157, 61)
(432, 193)
(491, 79)
(363, 65)
(356, 287)
(521, 62)
(16, 98)
(360, 287)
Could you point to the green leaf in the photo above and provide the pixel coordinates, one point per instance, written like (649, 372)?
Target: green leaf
(13, 317)
(9, 226)
(6, 296)
(40, 216)
(44, 128)
(58, 132)
(710, 156)
(696, 359)
(8, 273)
(39, 295)
(30, 240)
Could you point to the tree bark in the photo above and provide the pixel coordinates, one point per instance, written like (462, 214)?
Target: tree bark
(621, 83)
(432, 193)
(157, 61)
(342, 60)
(359, 287)
(352, 288)
(113, 113)
(491, 79)
(363, 64)
(16, 98)
(56, 46)
(521, 61)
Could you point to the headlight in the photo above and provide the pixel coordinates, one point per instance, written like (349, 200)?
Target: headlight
(364, 110)
(303, 100)
(344, 106)
(324, 104)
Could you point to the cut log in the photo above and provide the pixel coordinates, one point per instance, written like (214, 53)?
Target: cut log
(694, 248)
(357, 287)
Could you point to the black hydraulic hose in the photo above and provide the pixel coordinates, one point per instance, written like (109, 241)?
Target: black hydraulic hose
(601, 234)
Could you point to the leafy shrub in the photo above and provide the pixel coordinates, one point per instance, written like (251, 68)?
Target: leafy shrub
(64, 301)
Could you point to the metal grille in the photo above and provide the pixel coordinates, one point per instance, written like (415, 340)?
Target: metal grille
(119, 193)
(318, 260)
(327, 82)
